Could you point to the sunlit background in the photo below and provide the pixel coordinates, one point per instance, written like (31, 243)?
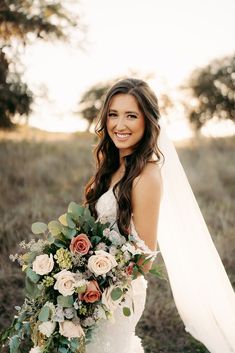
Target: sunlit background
(165, 39)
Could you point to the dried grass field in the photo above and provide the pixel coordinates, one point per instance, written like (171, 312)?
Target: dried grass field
(40, 173)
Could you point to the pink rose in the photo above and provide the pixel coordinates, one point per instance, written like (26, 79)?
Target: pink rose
(92, 293)
(80, 244)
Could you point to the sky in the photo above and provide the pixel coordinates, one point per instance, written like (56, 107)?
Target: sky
(166, 38)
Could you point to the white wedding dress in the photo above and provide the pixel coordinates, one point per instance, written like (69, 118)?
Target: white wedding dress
(118, 336)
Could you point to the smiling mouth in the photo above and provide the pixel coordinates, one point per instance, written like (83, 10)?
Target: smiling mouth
(122, 135)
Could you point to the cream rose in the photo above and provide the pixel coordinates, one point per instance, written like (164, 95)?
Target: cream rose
(43, 264)
(47, 328)
(70, 330)
(36, 349)
(65, 282)
(108, 301)
(101, 263)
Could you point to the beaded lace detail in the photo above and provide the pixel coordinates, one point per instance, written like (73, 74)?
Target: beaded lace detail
(118, 335)
(107, 209)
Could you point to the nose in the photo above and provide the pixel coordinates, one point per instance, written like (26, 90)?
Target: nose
(120, 125)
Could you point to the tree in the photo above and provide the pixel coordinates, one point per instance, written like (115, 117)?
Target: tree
(21, 23)
(213, 91)
(92, 100)
(15, 96)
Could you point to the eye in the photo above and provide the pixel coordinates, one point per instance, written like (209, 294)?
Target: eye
(131, 116)
(112, 115)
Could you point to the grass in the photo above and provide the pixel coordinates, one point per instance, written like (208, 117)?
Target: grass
(42, 172)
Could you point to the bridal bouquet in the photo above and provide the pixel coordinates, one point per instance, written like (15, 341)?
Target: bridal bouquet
(78, 272)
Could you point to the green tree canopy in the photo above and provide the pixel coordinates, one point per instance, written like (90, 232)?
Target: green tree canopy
(213, 91)
(21, 23)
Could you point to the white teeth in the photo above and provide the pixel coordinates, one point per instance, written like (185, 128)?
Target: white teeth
(122, 135)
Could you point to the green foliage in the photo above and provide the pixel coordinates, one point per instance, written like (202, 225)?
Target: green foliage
(213, 87)
(44, 313)
(15, 96)
(69, 233)
(39, 227)
(54, 228)
(31, 290)
(65, 302)
(26, 21)
(33, 276)
(14, 344)
(116, 293)
(126, 311)
(75, 210)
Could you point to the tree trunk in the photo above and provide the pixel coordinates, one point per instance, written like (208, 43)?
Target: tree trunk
(5, 121)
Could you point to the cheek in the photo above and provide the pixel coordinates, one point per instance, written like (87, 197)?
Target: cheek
(109, 126)
(141, 127)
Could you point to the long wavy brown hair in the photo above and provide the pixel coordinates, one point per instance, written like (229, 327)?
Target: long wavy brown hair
(107, 154)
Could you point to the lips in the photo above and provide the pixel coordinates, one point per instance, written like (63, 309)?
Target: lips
(122, 136)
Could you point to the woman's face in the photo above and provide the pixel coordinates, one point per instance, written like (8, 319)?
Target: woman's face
(125, 123)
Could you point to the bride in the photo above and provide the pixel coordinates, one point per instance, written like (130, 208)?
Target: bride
(140, 184)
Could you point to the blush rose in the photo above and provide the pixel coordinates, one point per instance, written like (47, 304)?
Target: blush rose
(80, 244)
(101, 263)
(92, 293)
(65, 282)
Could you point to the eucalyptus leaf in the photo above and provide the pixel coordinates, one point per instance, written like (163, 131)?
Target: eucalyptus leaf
(126, 311)
(86, 227)
(116, 293)
(50, 239)
(14, 344)
(29, 257)
(87, 213)
(27, 328)
(38, 227)
(95, 240)
(54, 228)
(64, 340)
(59, 244)
(69, 233)
(18, 326)
(74, 344)
(31, 288)
(65, 302)
(63, 219)
(76, 210)
(33, 276)
(70, 221)
(44, 314)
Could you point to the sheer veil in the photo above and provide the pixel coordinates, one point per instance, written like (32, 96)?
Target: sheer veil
(200, 286)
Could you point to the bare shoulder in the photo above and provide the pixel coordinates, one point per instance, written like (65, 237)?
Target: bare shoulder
(145, 200)
(150, 179)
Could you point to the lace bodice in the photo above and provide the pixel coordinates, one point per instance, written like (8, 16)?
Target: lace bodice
(107, 210)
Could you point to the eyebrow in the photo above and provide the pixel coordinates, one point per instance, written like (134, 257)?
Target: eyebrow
(128, 112)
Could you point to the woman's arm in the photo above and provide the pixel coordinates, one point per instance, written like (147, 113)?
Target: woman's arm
(146, 197)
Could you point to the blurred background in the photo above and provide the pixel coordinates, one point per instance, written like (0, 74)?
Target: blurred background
(57, 59)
